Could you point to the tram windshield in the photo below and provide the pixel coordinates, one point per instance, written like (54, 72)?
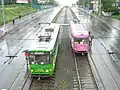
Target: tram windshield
(81, 40)
(39, 58)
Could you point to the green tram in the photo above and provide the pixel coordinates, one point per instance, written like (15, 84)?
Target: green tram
(41, 57)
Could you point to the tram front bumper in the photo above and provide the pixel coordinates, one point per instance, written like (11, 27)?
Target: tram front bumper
(41, 72)
(80, 51)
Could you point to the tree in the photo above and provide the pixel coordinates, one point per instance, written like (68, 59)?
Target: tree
(51, 2)
(84, 3)
(9, 2)
(107, 5)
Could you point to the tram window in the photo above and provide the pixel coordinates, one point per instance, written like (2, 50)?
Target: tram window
(42, 58)
(49, 30)
(31, 58)
(47, 37)
(39, 58)
(81, 40)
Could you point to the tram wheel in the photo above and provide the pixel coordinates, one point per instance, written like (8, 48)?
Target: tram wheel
(86, 54)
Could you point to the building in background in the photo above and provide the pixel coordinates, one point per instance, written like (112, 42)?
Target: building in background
(95, 4)
(22, 1)
(38, 1)
(43, 1)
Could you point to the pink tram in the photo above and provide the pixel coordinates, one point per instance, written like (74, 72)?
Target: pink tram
(81, 39)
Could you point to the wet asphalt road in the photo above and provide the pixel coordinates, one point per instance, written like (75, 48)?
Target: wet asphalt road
(106, 40)
(114, 22)
(12, 71)
(14, 39)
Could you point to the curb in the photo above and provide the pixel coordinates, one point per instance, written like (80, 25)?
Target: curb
(55, 17)
(96, 75)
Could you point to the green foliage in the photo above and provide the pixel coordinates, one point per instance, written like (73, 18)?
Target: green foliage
(9, 2)
(116, 17)
(84, 3)
(110, 8)
(35, 1)
(51, 2)
(114, 9)
(79, 2)
(107, 5)
(13, 11)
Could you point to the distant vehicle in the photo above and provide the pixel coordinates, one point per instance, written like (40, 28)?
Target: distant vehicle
(74, 21)
(41, 56)
(73, 5)
(81, 39)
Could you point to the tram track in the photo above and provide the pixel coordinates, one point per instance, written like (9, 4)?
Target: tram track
(46, 83)
(79, 77)
(40, 83)
(83, 78)
(110, 48)
(112, 51)
(82, 74)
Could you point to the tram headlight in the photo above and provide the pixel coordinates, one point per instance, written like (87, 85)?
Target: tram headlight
(76, 42)
(81, 42)
(42, 62)
(33, 62)
(31, 70)
(50, 69)
(47, 70)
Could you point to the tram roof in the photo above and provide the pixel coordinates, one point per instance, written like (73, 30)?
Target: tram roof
(78, 27)
(48, 31)
(79, 30)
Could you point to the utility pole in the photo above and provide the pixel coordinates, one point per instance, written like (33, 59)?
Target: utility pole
(99, 7)
(31, 3)
(79, 3)
(31, 7)
(88, 5)
(83, 3)
(3, 15)
(3, 19)
(11, 1)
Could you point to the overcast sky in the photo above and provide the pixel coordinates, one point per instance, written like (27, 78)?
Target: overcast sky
(63, 2)
(66, 2)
